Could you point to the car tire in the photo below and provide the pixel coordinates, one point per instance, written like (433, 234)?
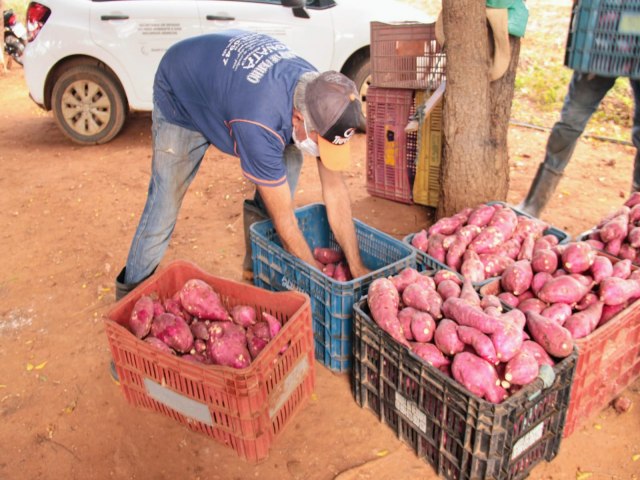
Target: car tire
(88, 104)
(360, 72)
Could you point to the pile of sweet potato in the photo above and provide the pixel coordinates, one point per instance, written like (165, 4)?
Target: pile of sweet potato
(574, 285)
(618, 233)
(333, 262)
(481, 242)
(195, 324)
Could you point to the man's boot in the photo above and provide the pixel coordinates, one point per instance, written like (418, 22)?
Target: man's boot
(542, 187)
(251, 213)
(122, 288)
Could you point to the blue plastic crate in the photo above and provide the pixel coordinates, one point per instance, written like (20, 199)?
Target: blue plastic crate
(331, 301)
(427, 262)
(604, 38)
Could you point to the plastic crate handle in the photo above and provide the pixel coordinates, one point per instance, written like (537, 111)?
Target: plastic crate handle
(548, 377)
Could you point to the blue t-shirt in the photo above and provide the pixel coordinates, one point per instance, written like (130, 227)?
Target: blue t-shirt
(236, 88)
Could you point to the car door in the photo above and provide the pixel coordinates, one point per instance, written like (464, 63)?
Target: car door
(136, 33)
(311, 38)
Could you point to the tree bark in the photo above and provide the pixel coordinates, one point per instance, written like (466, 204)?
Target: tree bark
(475, 161)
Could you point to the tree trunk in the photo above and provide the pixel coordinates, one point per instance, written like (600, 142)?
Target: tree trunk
(475, 162)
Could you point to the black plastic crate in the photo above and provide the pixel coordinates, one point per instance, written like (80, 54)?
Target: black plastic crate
(460, 435)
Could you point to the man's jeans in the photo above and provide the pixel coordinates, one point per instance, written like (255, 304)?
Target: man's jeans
(177, 154)
(582, 100)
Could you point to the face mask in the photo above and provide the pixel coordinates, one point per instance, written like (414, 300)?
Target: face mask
(308, 146)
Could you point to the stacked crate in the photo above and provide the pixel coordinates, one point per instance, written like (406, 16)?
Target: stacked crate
(407, 68)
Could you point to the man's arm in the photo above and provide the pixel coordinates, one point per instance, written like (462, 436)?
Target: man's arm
(280, 207)
(336, 198)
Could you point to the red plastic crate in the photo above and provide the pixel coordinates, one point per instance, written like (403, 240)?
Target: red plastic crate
(406, 55)
(245, 409)
(391, 152)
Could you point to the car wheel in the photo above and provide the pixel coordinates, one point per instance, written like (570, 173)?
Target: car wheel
(88, 104)
(360, 73)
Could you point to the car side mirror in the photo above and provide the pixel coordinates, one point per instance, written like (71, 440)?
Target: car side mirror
(297, 6)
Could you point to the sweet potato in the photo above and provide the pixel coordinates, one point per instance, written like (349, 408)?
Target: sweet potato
(595, 243)
(601, 268)
(531, 305)
(448, 288)
(142, 316)
(406, 277)
(478, 376)
(609, 312)
(622, 269)
(492, 310)
(562, 289)
(582, 323)
(526, 250)
(255, 344)
(423, 298)
(173, 331)
(326, 255)
(260, 329)
(430, 354)
(383, 300)
(199, 299)
(589, 299)
(227, 352)
(342, 272)
(506, 221)
(426, 281)
(243, 315)
(159, 344)
(526, 226)
(158, 307)
(578, 257)
(538, 352)
(633, 200)
(622, 210)
(441, 275)
(274, 324)
(469, 294)
(329, 269)
(634, 237)
(481, 215)
(404, 317)
(538, 281)
(174, 306)
(627, 252)
(228, 330)
(200, 329)
(517, 277)
(510, 249)
(446, 337)
(462, 239)
(445, 225)
(487, 240)
(490, 301)
(494, 263)
(558, 312)
(422, 326)
(615, 229)
(634, 215)
(199, 346)
(420, 240)
(196, 357)
(509, 298)
(481, 343)
(613, 247)
(435, 247)
(541, 243)
(554, 338)
(472, 267)
(614, 290)
(507, 339)
(522, 369)
(470, 315)
(544, 260)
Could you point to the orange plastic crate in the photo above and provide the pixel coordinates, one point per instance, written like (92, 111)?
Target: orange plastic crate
(245, 409)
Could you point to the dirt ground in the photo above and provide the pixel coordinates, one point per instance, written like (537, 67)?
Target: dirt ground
(67, 215)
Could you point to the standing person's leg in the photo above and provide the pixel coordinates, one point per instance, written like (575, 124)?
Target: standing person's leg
(635, 134)
(255, 211)
(583, 98)
(177, 154)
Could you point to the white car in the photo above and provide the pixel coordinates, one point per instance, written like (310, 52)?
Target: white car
(93, 61)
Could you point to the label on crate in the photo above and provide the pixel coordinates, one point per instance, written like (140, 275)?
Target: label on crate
(629, 23)
(283, 391)
(184, 405)
(290, 285)
(410, 410)
(527, 440)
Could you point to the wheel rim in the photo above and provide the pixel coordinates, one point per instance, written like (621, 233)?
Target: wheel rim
(85, 107)
(364, 88)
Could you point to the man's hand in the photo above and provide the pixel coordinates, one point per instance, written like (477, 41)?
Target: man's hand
(336, 198)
